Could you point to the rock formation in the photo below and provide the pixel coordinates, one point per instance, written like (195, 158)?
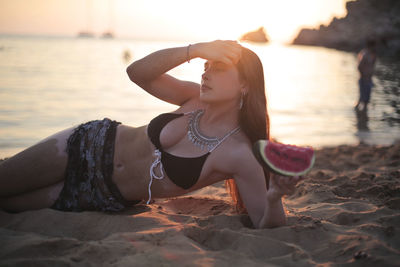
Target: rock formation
(377, 20)
(257, 36)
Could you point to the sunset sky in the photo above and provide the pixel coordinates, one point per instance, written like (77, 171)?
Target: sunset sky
(171, 20)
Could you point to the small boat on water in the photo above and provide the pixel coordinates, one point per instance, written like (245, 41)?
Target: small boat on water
(85, 34)
(107, 35)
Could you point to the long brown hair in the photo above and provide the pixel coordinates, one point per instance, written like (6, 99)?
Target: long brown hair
(253, 118)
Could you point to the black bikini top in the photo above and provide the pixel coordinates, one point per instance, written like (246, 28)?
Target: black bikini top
(184, 172)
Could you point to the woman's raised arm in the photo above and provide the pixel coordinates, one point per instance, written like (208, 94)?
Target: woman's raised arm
(149, 72)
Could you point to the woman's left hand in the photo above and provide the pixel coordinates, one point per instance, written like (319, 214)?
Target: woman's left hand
(227, 51)
(282, 185)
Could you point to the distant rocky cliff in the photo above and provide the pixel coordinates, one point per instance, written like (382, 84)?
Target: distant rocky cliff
(366, 19)
(257, 36)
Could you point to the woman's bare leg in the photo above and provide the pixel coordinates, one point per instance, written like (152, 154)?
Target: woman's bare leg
(37, 199)
(36, 167)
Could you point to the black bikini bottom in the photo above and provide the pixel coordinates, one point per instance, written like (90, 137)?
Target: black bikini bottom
(88, 184)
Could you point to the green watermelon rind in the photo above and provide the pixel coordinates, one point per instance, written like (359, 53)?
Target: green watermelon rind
(259, 152)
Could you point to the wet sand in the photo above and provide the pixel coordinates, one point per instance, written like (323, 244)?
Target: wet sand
(346, 213)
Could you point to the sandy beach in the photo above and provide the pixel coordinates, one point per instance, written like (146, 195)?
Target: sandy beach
(346, 213)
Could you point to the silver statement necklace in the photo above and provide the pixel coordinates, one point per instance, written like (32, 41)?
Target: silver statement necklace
(200, 140)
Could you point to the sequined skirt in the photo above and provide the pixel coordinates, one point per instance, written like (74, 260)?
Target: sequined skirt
(88, 184)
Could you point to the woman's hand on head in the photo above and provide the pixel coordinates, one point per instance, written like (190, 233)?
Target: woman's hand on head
(228, 52)
(282, 185)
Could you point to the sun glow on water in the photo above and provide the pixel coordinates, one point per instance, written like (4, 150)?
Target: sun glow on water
(311, 91)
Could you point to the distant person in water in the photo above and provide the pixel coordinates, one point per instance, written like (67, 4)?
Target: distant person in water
(104, 165)
(366, 63)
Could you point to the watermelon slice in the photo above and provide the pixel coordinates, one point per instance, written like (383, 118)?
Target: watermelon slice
(287, 160)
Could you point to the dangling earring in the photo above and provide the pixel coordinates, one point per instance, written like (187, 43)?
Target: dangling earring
(241, 100)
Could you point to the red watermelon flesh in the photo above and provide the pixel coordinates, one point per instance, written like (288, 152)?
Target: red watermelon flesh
(288, 160)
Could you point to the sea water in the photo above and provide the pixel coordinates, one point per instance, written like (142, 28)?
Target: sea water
(48, 84)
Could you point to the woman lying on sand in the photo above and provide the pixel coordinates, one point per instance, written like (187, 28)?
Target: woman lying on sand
(107, 166)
